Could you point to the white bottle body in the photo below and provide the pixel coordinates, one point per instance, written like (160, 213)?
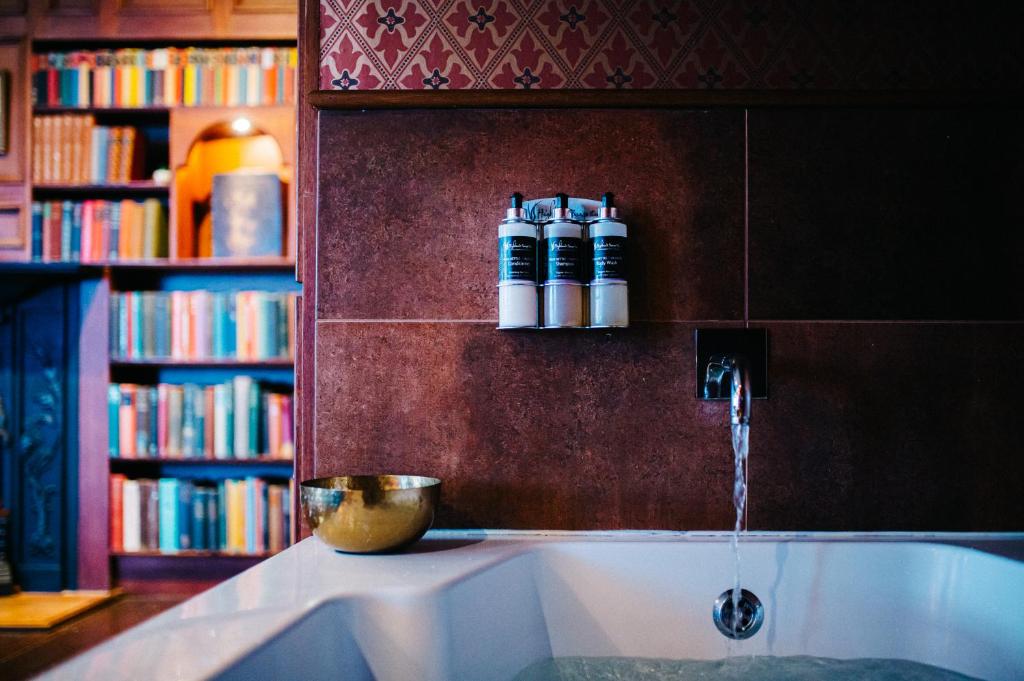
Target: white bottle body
(563, 295)
(609, 295)
(518, 306)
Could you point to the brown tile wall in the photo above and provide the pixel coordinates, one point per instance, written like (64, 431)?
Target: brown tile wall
(873, 236)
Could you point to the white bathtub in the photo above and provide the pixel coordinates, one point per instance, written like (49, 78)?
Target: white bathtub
(484, 605)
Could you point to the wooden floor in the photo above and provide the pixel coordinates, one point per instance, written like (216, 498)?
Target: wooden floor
(26, 653)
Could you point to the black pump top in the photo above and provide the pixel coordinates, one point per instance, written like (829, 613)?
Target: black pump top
(608, 200)
(563, 201)
(517, 200)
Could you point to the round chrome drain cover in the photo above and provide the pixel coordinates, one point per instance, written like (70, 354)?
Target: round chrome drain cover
(751, 615)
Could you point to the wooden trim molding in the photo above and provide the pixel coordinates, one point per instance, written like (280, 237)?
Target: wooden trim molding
(653, 99)
(11, 8)
(307, 199)
(263, 7)
(163, 6)
(87, 8)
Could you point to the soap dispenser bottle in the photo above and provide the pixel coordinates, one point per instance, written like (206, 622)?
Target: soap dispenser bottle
(563, 277)
(517, 269)
(609, 290)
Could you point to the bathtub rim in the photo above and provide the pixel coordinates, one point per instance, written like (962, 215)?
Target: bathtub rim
(512, 544)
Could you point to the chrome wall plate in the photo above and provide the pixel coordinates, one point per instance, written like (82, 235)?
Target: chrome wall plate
(751, 344)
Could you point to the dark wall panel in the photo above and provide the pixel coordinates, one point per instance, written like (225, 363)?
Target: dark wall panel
(898, 214)
(572, 430)
(410, 203)
(905, 215)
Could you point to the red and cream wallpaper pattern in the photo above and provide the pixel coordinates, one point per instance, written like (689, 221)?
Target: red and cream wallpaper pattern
(689, 44)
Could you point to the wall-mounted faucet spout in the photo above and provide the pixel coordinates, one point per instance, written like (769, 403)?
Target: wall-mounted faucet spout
(736, 368)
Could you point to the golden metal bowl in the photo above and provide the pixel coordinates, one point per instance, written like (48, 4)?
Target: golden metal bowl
(370, 513)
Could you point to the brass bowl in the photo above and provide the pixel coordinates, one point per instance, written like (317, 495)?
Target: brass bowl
(369, 513)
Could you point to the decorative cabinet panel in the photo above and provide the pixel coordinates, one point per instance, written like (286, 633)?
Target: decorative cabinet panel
(14, 117)
(38, 438)
(13, 228)
(14, 223)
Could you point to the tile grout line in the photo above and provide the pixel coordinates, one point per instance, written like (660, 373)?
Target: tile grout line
(697, 322)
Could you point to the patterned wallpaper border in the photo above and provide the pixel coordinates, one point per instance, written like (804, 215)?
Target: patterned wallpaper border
(730, 44)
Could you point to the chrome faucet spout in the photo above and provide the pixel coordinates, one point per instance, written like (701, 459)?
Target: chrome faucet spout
(739, 397)
(739, 400)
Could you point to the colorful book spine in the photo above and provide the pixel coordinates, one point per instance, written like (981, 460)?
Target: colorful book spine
(238, 419)
(184, 515)
(37, 230)
(113, 421)
(132, 77)
(244, 516)
(132, 516)
(117, 512)
(169, 521)
(72, 149)
(149, 491)
(246, 325)
(90, 231)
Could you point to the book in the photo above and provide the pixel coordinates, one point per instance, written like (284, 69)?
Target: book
(184, 518)
(91, 230)
(238, 419)
(198, 516)
(113, 422)
(117, 512)
(245, 325)
(169, 535)
(73, 149)
(132, 513)
(150, 508)
(37, 231)
(247, 214)
(142, 422)
(249, 515)
(242, 386)
(126, 422)
(166, 76)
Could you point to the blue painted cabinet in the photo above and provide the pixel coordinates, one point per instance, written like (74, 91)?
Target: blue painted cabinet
(38, 435)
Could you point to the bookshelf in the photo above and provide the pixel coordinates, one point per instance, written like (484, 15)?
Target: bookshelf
(168, 135)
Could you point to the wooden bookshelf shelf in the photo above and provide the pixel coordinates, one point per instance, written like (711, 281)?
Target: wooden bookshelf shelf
(205, 363)
(188, 554)
(118, 110)
(20, 279)
(139, 187)
(142, 462)
(155, 264)
(47, 268)
(206, 264)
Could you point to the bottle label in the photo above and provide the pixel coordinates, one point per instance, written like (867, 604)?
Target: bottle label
(563, 257)
(517, 258)
(609, 257)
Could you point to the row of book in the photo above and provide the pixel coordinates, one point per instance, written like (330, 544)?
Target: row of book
(165, 77)
(98, 231)
(241, 325)
(72, 149)
(238, 419)
(249, 515)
